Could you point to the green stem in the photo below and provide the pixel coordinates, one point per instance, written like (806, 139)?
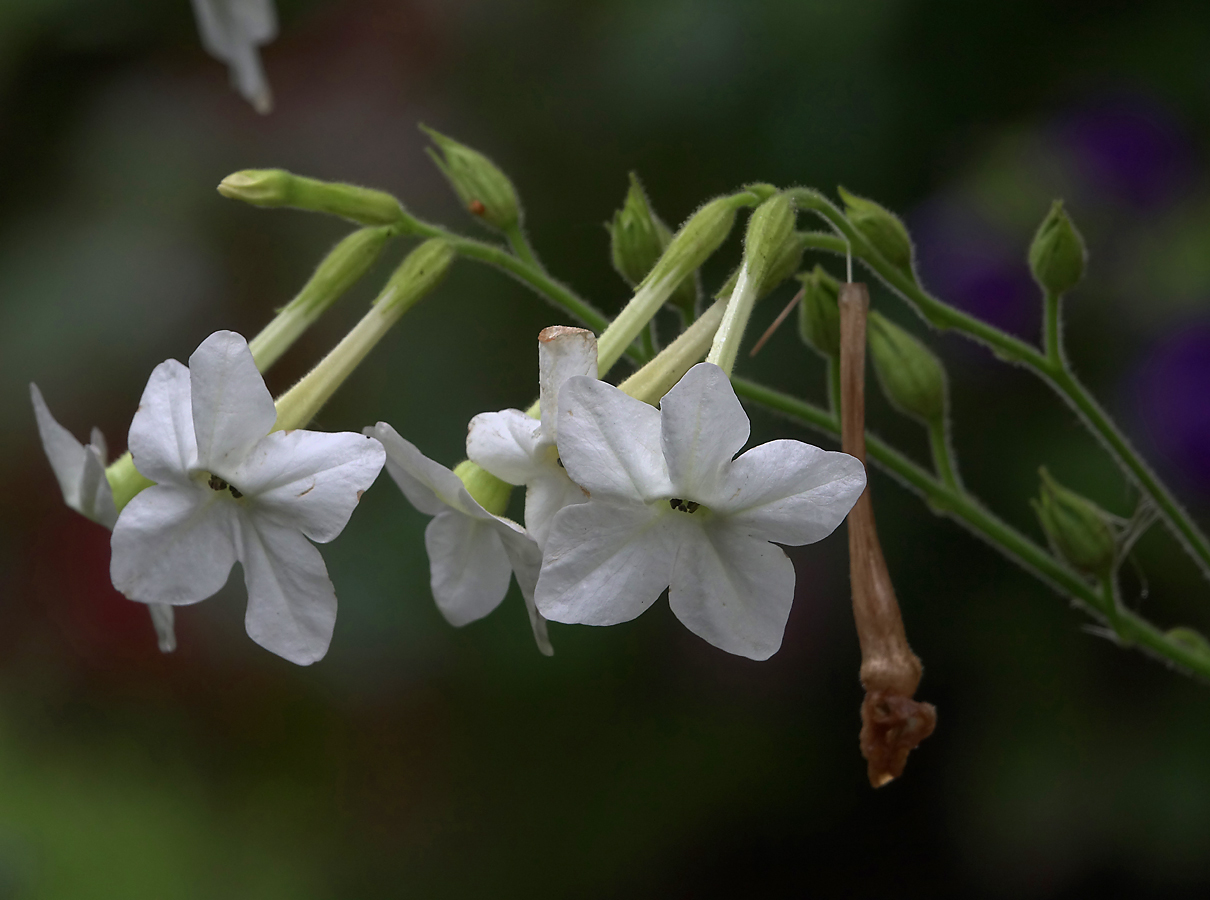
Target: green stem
(520, 246)
(1052, 338)
(943, 457)
(1049, 366)
(1129, 627)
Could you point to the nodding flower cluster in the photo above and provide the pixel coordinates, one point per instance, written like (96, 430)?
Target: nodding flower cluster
(624, 499)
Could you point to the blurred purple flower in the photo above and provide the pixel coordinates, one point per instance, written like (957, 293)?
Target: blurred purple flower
(969, 262)
(1173, 395)
(1131, 148)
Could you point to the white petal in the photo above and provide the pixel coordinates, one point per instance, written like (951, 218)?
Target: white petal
(232, 408)
(468, 566)
(428, 485)
(526, 561)
(605, 564)
(80, 470)
(732, 590)
(544, 497)
(704, 426)
(161, 434)
(173, 544)
(790, 492)
(563, 353)
(610, 443)
(309, 480)
(504, 443)
(231, 30)
(163, 620)
(291, 601)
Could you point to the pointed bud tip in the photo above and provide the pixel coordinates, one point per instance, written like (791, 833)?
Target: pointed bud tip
(1057, 256)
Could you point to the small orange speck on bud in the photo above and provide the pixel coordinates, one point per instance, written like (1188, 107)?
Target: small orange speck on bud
(477, 207)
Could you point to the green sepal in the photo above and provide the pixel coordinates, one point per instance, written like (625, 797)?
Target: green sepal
(819, 312)
(1077, 528)
(911, 375)
(1057, 255)
(883, 229)
(638, 237)
(485, 191)
(419, 273)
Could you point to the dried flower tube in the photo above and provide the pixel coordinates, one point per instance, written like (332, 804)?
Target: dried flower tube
(892, 723)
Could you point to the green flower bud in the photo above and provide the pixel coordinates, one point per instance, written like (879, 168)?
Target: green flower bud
(697, 239)
(1057, 255)
(911, 376)
(484, 190)
(419, 274)
(777, 268)
(1077, 528)
(488, 491)
(769, 230)
(638, 238)
(277, 187)
(818, 313)
(882, 228)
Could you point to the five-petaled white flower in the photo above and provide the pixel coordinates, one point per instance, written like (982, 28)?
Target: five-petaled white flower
(671, 507)
(80, 470)
(471, 552)
(231, 31)
(519, 450)
(230, 489)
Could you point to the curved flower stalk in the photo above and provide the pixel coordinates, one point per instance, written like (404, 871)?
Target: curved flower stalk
(231, 31)
(80, 470)
(521, 451)
(229, 489)
(672, 508)
(472, 552)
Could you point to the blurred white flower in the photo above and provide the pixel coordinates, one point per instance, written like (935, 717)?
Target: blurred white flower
(521, 450)
(231, 31)
(80, 469)
(472, 553)
(672, 508)
(228, 489)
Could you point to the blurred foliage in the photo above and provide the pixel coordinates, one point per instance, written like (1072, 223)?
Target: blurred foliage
(418, 760)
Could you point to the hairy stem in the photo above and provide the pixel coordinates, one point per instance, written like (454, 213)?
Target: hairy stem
(1050, 365)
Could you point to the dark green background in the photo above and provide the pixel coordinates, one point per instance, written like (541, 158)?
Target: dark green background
(418, 760)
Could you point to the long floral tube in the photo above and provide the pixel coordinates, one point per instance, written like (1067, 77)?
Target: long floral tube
(967, 511)
(1050, 367)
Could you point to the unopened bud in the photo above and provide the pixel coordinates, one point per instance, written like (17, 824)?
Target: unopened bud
(774, 266)
(818, 314)
(487, 490)
(911, 376)
(637, 237)
(769, 230)
(484, 190)
(1076, 527)
(698, 238)
(277, 187)
(1057, 255)
(419, 273)
(882, 228)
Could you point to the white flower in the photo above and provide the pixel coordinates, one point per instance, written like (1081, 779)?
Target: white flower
(228, 490)
(672, 508)
(519, 450)
(471, 552)
(80, 469)
(231, 31)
